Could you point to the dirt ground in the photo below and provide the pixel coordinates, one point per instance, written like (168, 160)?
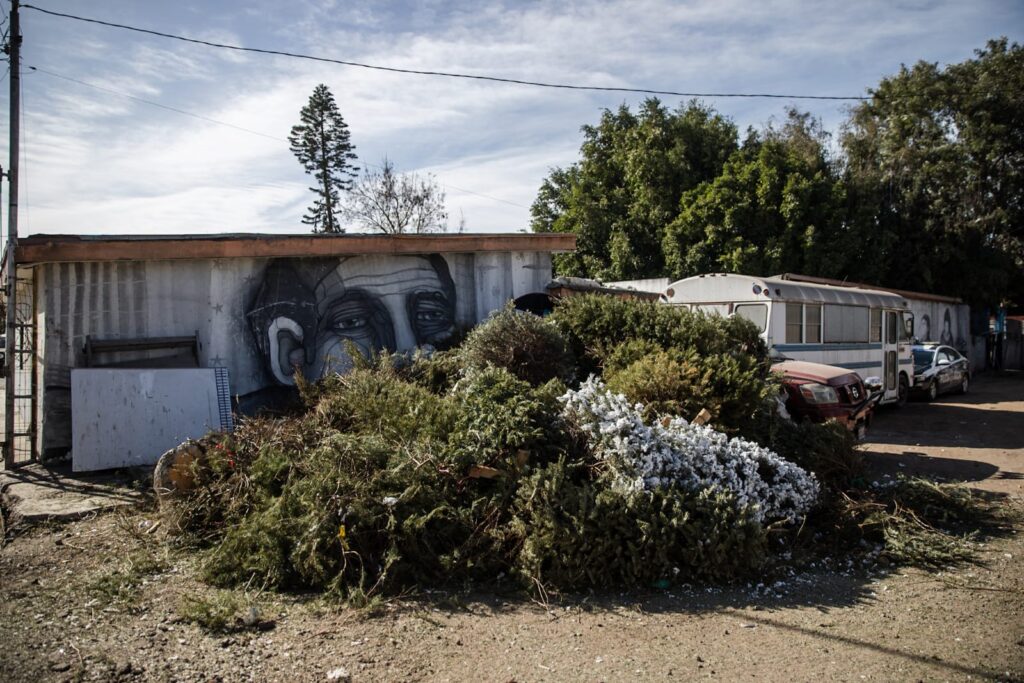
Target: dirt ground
(64, 618)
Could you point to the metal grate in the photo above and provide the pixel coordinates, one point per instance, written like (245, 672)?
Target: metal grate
(224, 399)
(24, 360)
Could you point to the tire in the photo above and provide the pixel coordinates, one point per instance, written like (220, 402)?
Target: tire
(965, 384)
(933, 390)
(904, 391)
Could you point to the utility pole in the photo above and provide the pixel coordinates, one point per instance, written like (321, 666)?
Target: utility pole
(14, 51)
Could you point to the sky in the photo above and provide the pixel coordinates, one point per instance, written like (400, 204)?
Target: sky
(97, 162)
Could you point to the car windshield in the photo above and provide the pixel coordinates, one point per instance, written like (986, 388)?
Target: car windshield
(923, 358)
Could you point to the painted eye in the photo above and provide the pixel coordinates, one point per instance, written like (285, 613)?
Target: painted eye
(431, 316)
(349, 323)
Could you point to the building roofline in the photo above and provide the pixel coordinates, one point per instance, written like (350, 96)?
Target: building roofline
(85, 248)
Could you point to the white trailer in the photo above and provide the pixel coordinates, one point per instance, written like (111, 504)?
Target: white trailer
(865, 330)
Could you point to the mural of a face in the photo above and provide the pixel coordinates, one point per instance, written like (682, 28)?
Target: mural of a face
(307, 310)
(392, 303)
(925, 333)
(947, 331)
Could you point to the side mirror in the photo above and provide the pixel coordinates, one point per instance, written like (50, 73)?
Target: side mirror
(873, 384)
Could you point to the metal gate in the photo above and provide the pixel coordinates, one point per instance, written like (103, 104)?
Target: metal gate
(23, 440)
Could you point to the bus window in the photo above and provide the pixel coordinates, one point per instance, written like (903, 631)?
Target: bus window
(794, 323)
(876, 324)
(812, 317)
(846, 324)
(892, 331)
(755, 313)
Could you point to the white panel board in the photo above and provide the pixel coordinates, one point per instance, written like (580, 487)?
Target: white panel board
(128, 417)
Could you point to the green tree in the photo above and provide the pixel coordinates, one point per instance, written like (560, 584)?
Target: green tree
(935, 171)
(322, 145)
(776, 207)
(626, 188)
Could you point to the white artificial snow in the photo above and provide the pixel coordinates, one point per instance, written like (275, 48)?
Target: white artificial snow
(647, 456)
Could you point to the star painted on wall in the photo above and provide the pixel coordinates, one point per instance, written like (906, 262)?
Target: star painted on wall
(216, 362)
(218, 308)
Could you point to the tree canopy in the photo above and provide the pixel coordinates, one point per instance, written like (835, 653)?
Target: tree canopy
(775, 207)
(626, 188)
(935, 167)
(321, 142)
(924, 190)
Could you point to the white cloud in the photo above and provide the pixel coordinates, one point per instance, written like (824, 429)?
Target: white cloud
(101, 162)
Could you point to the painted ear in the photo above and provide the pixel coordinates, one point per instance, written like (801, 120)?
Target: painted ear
(287, 353)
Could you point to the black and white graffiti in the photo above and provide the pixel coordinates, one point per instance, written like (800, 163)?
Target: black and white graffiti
(938, 322)
(306, 310)
(947, 330)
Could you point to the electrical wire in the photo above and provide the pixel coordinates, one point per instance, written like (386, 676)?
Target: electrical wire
(446, 74)
(231, 125)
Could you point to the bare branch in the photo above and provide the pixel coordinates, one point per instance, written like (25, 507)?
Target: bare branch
(396, 203)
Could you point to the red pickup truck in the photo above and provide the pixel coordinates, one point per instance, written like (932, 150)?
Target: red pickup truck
(826, 392)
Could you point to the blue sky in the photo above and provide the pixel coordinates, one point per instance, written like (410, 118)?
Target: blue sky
(98, 162)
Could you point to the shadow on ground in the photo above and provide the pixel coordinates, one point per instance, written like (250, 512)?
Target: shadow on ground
(51, 492)
(917, 464)
(965, 423)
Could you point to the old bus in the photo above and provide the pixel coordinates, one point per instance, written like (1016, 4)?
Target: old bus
(865, 330)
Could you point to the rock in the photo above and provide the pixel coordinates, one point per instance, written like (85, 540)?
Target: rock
(251, 617)
(174, 471)
(340, 674)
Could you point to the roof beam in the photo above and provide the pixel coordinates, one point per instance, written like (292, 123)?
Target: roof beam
(64, 248)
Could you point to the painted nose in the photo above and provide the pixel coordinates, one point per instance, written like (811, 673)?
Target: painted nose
(405, 336)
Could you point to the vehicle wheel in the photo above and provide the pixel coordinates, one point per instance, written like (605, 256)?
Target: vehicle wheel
(904, 391)
(965, 384)
(933, 390)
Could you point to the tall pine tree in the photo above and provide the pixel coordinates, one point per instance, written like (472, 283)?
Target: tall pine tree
(321, 144)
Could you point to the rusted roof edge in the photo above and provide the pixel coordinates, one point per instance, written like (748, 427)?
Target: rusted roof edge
(65, 248)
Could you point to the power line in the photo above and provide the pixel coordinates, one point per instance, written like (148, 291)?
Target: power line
(231, 125)
(446, 74)
(485, 196)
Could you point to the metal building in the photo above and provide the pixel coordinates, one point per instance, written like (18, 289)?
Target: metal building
(265, 307)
